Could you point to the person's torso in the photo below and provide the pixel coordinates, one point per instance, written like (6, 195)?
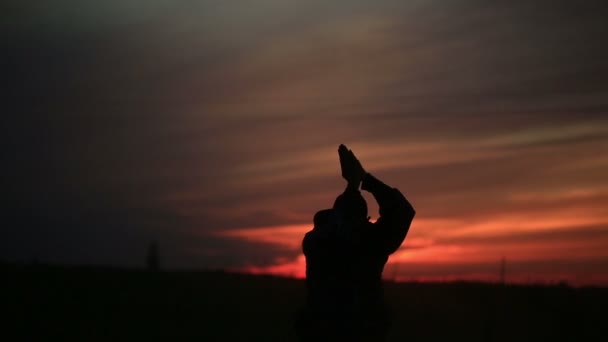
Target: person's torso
(349, 275)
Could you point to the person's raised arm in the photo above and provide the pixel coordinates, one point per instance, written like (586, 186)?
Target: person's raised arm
(396, 212)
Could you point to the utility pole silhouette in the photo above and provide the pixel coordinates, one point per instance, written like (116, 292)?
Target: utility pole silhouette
(153, 258)
(494, 320)
(503, 270)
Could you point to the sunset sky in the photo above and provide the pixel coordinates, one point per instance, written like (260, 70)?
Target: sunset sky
(212, 127)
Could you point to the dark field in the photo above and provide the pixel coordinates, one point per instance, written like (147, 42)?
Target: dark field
(94, 304)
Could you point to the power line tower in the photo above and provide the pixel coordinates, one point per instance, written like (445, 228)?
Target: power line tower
(153, 257)
(503, 270)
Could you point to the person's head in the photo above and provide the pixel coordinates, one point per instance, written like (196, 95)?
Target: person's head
(351, 208)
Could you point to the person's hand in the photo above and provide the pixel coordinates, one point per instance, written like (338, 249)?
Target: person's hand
(352, 170)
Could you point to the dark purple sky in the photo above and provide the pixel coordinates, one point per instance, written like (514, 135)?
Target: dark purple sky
(212, 127)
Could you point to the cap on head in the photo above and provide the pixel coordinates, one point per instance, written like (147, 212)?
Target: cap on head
(351, 206)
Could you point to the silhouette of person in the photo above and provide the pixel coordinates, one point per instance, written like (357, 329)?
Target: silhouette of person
(345, 256)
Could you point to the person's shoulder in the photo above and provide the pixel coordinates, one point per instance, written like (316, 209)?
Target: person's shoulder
(307, 241)
(309, 235)
(367, 229)
(368, 225)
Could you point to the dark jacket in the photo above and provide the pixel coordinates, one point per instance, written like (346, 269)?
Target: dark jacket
(344, 272)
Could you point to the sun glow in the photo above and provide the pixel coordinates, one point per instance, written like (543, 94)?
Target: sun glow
(456, 246)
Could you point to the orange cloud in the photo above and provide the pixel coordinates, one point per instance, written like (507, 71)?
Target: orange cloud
(454, 247)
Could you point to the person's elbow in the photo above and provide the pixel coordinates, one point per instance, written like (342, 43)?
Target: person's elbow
(404, 220)
(405, 209)
(410, 211)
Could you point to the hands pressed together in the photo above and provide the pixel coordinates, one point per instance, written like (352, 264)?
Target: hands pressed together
(352, 170)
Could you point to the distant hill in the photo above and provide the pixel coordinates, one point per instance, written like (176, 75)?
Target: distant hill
(106, 304)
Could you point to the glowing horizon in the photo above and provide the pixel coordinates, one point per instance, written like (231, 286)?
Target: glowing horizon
(420, 250)
(212, 129)
(457, 256)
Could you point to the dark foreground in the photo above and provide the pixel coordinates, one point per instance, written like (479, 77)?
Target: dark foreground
(94, 304)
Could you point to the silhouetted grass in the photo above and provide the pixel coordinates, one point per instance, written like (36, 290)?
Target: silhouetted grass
(103, 304)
